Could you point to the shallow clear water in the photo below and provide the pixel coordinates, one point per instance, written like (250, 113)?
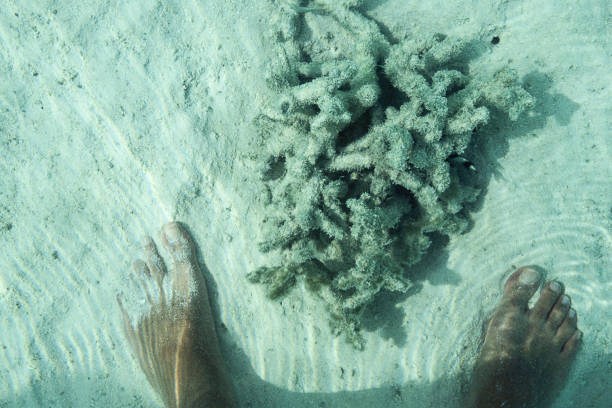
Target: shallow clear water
(117, 118)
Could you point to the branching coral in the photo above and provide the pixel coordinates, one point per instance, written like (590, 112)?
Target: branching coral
(357, 156)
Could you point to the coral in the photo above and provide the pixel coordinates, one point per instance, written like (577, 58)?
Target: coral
(361, 156)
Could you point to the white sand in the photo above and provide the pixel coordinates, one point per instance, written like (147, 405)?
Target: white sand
(116, 118)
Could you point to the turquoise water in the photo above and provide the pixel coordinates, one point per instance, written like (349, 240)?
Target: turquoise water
(115, 119)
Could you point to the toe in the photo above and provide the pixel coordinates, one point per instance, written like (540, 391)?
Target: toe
(127, 325)
(141, 278)
(571, 346)
(548, 297)
(567, 329)
(154, 262)
(141, 270)
(521, 286)
(180, 245)
(559, 312)
(178, 241)
(126, 317)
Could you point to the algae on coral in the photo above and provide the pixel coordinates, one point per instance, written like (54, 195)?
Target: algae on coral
(357, 154)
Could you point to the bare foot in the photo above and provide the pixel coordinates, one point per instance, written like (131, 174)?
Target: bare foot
(176, 343)
(526, 354)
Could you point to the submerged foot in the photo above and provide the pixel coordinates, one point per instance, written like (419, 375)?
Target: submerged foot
(526, 354)
(175, 342)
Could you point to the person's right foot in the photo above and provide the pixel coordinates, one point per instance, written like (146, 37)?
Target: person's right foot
(175, 342)
(526, 354)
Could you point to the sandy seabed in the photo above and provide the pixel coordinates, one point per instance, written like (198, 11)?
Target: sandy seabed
(115, 118)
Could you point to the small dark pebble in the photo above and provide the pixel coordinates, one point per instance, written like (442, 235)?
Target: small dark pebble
(495, 40)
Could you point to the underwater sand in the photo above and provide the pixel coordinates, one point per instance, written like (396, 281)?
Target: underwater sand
(116, 118)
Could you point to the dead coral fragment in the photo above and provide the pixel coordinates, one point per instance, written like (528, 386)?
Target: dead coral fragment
(360, 157)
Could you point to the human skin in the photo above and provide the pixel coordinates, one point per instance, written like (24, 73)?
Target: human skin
(176, 343)
(527, 352)
(523, 362)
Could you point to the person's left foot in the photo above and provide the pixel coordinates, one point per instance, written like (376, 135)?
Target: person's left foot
(176, 343)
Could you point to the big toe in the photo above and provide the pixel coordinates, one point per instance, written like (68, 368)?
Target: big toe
(179, 243)
(521, 286)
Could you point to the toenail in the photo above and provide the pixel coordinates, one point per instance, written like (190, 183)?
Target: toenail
(554, 286)
(571, 313)
(528, 276)
(565, 300)
(172, 233)
(147, 241)
(579, 336)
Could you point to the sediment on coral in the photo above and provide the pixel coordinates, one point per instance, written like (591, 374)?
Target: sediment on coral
(361, 154)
